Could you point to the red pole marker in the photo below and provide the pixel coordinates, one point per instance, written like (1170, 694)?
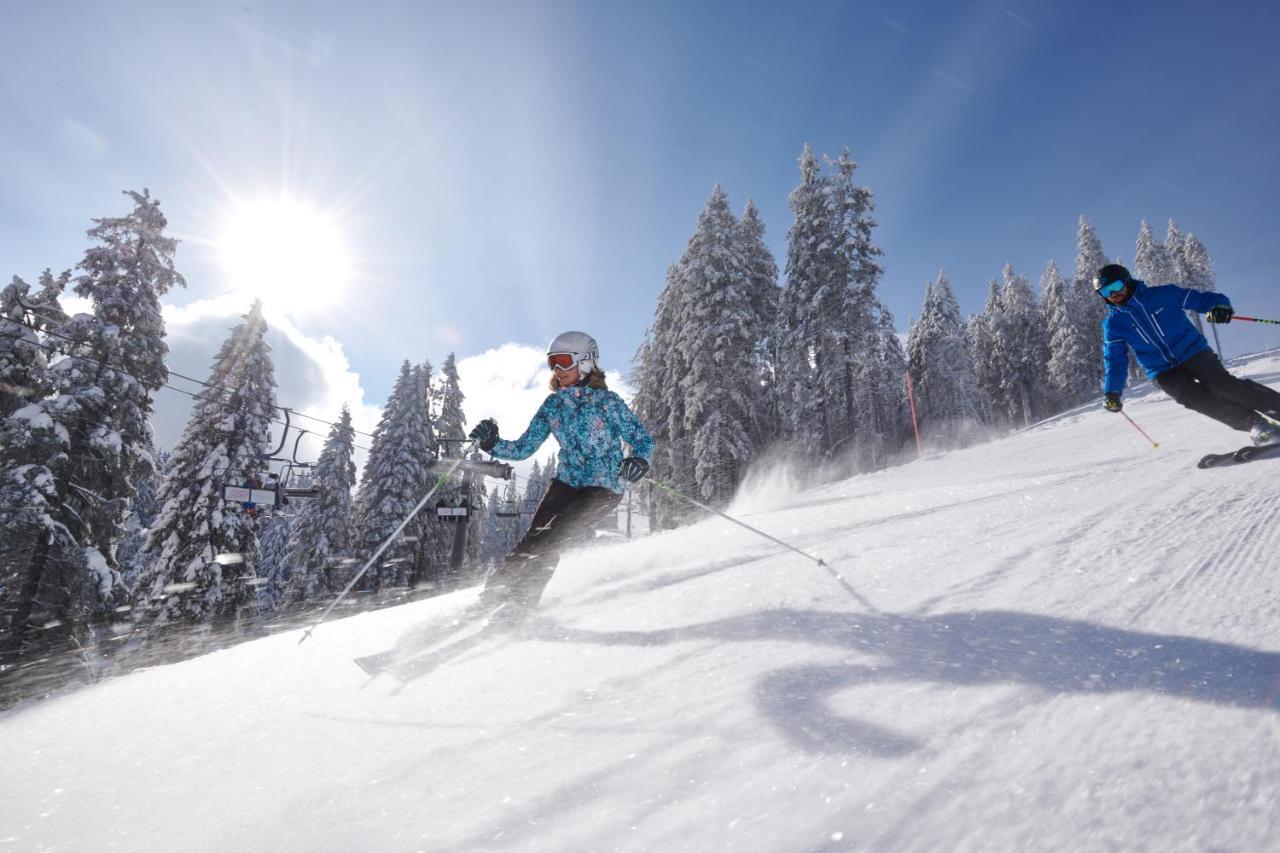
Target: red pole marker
(911, 398)
(1154, 443)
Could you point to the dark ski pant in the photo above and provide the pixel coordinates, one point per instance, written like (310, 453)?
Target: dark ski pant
(566, 517)
(1202, 384)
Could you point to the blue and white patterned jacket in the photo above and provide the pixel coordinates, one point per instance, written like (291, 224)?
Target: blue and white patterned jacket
(589, 424)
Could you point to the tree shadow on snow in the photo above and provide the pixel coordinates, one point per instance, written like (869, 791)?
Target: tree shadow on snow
(964, 649)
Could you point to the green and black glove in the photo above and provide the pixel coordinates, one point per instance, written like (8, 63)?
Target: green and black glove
(486, 434)
(1112, 403)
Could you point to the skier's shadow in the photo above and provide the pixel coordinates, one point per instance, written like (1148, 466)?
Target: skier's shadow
(966, 649)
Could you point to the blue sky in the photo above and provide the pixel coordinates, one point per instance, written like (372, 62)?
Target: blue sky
(503, 171)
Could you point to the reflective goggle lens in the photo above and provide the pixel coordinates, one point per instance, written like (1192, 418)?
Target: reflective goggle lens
(561, 360)
(1111, 289)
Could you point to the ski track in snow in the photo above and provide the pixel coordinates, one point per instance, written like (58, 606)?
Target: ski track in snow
(1065, 639)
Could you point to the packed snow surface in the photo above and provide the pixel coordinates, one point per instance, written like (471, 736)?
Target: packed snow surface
(1062, 640)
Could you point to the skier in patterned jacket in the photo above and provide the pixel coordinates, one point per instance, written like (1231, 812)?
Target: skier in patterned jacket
(590, 422)
(1153, 322)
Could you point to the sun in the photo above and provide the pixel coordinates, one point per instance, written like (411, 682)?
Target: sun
(286, 253)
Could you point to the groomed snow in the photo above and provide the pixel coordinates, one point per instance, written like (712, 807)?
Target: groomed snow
(1062, 640)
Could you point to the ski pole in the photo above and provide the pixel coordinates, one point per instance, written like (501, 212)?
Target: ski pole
(387, 542)
(728, 517)
(1255, 320)
(1154, 443)
(838, 577)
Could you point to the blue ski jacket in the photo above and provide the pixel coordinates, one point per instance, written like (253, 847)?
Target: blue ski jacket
(1153, 321)
(589, 423)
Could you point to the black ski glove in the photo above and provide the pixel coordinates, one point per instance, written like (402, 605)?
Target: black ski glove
(1221, 314)
(633, 469)
(486, 434)
(1112, 403)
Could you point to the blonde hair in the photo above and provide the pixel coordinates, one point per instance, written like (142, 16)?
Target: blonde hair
(595, 379)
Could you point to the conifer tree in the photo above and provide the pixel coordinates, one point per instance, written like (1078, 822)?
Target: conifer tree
(940, 365)
(1151, 262)
(1197, 266)
(1092, 309)
(450, 422)
(1021, 348)
(760, 272)
(205, 549)
(90, 437)
(321, 531)
(397, 474)
(719, 336)
(808, 306)
(1071, 361)
(661, 367)
(982, 333)
(24, 358)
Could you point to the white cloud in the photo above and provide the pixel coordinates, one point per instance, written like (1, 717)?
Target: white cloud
(507, 384)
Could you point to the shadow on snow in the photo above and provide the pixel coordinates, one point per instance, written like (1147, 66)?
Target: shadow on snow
(1057, 656)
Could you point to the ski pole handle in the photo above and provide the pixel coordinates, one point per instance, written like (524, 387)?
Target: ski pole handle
(1154, 443)
(1256, 320)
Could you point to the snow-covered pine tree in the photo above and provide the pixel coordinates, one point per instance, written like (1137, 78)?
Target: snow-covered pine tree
(1173, 249)
(1022, 348)
(396, 475)
(142, 514)
(1092, 309)
(881, 393)
(982, 333)
(875, 364)
(718, 340)
(205, 549)
(940, 365)
(24, 356)
(502, 531)
(34, 444)
(760, 272)
(450, 422)
(808, 306)
(1071, 362)
(658, 375)
(1197, 266)
(125, 276)
(274, 534)
(1151, 261)
(101, 401)
(321, 534)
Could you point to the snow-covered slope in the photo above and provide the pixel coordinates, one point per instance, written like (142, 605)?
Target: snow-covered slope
(1065, 639)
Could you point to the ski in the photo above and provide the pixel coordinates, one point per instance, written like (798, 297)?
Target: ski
(458, 635)
(1248, 453)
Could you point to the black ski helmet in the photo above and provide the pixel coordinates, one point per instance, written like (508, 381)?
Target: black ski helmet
(1112, 273)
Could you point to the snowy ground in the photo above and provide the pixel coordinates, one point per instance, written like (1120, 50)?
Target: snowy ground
(1061, 640)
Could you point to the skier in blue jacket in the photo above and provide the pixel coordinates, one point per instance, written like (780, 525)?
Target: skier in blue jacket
(590, 422)
(1153, 322)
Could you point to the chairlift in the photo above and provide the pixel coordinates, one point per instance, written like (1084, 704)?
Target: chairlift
(253, 495)
(449, 512)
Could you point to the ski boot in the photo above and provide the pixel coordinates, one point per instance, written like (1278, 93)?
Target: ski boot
(1264, 432)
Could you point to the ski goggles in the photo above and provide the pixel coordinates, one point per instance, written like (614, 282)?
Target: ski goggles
(1111, 289)
(562, 360)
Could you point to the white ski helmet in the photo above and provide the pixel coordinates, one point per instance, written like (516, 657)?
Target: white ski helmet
(580, 346)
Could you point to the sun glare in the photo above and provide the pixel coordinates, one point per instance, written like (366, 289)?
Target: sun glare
(285, 253)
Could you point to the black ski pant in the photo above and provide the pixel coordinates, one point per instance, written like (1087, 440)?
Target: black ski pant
(566, 517)
(1202, 384)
